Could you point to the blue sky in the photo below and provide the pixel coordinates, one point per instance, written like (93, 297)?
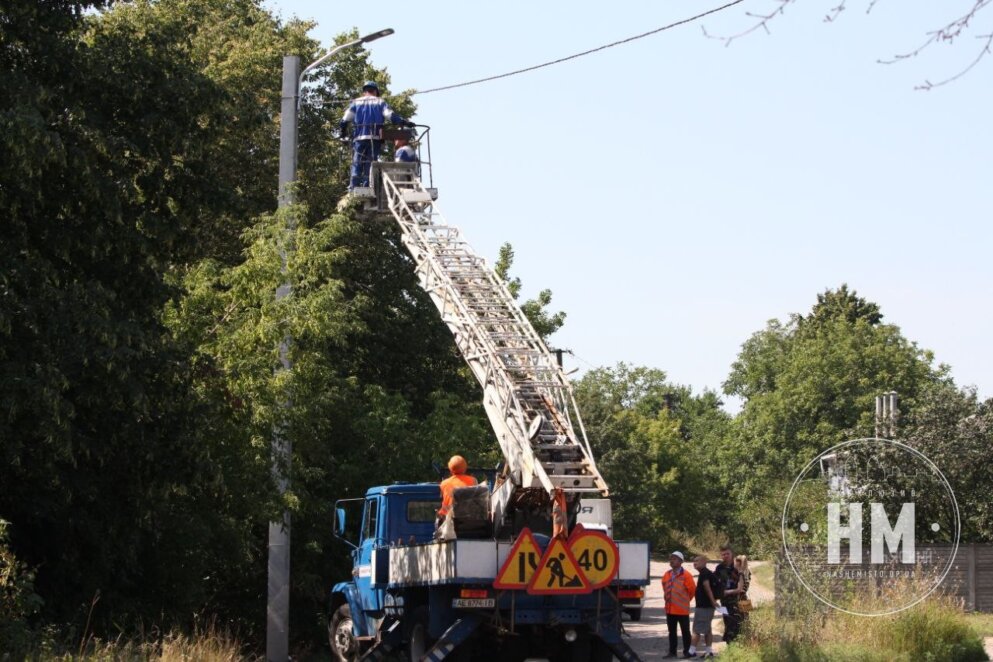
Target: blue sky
(675, 194)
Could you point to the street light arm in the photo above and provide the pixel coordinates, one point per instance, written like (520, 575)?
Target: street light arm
(361, 40)
(326, 56)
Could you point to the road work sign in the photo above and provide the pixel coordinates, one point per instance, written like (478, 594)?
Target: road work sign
(558, 572)
(521, 563)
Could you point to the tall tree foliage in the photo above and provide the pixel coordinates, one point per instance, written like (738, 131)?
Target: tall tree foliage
(954, 429)
(137, 146)
(102, 183)
(808, 384)
(654, 443)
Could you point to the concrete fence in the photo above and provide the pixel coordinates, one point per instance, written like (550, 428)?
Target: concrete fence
(970, 578)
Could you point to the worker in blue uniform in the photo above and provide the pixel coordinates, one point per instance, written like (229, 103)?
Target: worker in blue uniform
(368, 113)
(405, 152)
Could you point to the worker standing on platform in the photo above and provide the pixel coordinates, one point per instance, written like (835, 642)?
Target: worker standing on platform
(368, 113)
(459, 478)
(405, 153)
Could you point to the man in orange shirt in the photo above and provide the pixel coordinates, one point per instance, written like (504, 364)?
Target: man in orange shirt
(459, 478)
(679, 588)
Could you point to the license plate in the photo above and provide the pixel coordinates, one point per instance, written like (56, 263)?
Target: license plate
(473, 603)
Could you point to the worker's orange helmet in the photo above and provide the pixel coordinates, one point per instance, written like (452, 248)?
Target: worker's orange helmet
(457, 465)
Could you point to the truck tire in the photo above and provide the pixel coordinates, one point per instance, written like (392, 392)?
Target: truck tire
(418, 639)
(344, 645)
(635, 614)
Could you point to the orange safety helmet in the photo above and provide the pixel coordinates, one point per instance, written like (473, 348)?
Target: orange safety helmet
(457, 465)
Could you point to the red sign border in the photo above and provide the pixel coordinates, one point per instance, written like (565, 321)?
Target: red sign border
(581, 532)
(582, 590)
(510, 556)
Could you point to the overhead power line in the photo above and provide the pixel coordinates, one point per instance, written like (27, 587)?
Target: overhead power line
(578, 55)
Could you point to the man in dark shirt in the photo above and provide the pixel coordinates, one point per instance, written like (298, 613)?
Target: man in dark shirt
(730, 580)
(705, 605)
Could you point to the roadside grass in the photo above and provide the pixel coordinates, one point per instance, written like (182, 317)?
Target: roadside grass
(208, 645)
(935, 630)
(982, 623)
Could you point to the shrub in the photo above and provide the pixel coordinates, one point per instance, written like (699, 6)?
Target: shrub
(18, 601)
(933, 632)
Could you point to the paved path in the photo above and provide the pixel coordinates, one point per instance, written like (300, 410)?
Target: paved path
(650, 637)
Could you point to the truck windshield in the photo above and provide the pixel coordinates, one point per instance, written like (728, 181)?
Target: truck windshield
(422, 511)
(371, 519)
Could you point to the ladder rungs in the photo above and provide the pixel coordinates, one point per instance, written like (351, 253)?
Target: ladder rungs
(493, 334)
(558, 467)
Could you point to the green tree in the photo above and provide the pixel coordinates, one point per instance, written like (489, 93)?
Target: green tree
(102, 183)
(138, 145)
(654, 442)
(544, 322)
(955, 431)
(807, 385)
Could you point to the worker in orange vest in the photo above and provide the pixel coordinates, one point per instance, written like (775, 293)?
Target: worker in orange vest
(459, 478)
(679, 588)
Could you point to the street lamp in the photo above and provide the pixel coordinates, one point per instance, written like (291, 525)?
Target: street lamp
(278, 606)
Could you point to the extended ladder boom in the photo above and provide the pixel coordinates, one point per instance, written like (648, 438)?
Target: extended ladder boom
(526, 395)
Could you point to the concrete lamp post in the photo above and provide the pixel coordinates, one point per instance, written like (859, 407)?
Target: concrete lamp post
(278, 606)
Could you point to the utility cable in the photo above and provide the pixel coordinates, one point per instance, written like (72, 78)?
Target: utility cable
(578, 55)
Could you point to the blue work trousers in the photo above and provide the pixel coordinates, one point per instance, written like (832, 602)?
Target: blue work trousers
(363, 154)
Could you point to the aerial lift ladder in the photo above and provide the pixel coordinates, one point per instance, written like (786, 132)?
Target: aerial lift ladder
(474, 594)
(526, 395)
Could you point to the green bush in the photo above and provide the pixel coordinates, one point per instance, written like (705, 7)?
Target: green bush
(18, 601)
(934, 632)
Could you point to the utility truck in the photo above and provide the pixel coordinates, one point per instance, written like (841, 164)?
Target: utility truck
(532, 572)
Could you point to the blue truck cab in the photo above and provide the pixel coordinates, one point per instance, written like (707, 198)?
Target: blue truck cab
(391, 514)
(413, 597)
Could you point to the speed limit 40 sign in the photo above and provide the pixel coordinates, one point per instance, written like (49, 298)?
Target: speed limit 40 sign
(596, 554)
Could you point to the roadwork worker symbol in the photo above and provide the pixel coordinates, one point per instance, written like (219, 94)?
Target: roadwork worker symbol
(558, 572)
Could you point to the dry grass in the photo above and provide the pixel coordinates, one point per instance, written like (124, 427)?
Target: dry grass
(981, 623)
(208, 645)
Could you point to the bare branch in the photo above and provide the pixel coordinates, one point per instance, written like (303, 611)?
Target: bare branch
(835, 12)
(762, 23)
(987, 49)
(946, 34)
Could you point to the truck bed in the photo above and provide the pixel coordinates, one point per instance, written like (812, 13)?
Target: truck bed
(477, 562)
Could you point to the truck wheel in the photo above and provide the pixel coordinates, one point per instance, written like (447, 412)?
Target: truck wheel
(344, 645)
(419, 641)
(635, 614)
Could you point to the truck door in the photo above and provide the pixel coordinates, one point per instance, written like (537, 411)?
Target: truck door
(370, 597)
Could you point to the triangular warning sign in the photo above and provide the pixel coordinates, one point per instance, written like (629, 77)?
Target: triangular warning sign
(521, 563)
(558, 573)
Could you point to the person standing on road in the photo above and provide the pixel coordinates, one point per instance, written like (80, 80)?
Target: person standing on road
(730, 580)
(706, 603)
(678, 587)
